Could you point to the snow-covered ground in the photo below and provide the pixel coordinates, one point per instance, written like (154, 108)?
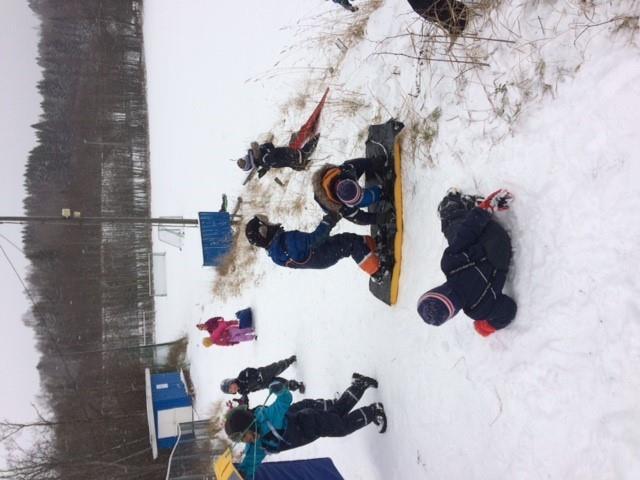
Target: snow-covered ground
(552, 117)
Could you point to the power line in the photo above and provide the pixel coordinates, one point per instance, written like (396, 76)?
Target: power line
(42, 317)
(11, 243)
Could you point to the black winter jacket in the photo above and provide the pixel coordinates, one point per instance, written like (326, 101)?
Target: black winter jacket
(254, 379)
(476, 265)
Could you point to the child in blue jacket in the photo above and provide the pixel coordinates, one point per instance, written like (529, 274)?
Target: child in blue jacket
(282, 425)
(475, 263)
(315, 250)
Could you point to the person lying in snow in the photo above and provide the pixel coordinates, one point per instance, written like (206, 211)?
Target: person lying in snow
(282, 425)
(225, 333)
(315, 250)
(254, 379)
(336, 189)
(475, 263)
(266, 156)
(448, 14)
(346, 4)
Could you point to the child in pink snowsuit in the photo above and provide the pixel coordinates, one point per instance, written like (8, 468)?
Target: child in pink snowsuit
(225, 333)
(213, 323)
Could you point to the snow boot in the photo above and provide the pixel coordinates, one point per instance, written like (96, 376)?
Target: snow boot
(380, 418)
(346, 4)
(364, 380)
(308, 148)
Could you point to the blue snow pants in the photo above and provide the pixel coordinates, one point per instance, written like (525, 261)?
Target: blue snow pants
(333, 249)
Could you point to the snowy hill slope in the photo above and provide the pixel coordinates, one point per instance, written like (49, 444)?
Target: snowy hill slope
(551, 117)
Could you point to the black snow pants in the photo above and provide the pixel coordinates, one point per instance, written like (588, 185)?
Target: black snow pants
(309, 420)
(281, 157)
(271, 372)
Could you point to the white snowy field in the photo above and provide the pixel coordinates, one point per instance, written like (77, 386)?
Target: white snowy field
(552, 117)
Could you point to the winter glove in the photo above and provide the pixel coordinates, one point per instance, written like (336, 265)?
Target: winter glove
(331, 218)
(483, 327)
(498, 200)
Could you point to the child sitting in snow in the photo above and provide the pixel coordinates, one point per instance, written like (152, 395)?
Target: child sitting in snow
(282, 425)
(225, 333)
(266, 156)
(336, 189)
(475, 263)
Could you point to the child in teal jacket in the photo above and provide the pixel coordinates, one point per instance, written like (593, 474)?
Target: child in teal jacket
(283, 425)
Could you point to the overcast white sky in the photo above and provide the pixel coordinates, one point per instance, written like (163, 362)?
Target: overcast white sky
(19, 108)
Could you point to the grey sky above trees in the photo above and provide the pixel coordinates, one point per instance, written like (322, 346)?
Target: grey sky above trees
(19, 108)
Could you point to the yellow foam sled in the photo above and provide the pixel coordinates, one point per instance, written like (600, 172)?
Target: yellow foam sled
(397, 241)
(223, 467)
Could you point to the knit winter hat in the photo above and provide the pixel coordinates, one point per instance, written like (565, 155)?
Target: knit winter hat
(244, 164)
(438, 305)
(247, 162)
(239, 421)
(226, 383)
(349, 192)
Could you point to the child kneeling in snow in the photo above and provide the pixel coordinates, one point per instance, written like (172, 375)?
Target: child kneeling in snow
(475, 263)
(225, 333)
(315, 250)
(282, 425)
(336, 188)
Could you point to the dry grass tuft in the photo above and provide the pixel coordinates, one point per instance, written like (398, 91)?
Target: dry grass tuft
(177, 357)
(421, 132)
(217, 412)
(349, 103)
(628, 24)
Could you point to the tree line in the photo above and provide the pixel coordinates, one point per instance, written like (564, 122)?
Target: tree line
(89, 284)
